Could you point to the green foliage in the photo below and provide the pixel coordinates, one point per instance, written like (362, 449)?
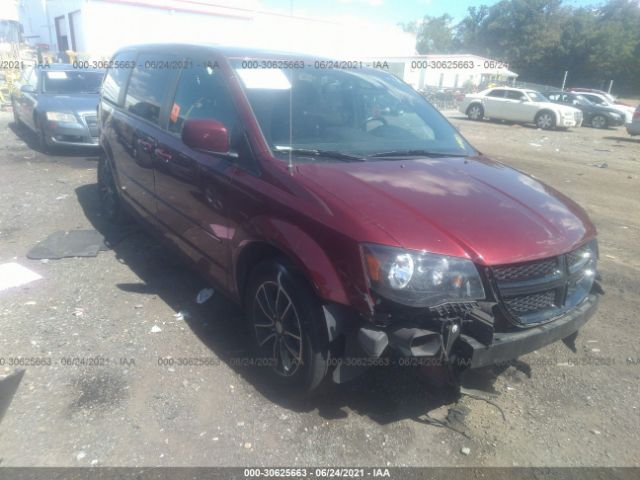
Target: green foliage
(540, 39)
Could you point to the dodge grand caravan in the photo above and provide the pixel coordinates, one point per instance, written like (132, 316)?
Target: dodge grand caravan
(348, 217)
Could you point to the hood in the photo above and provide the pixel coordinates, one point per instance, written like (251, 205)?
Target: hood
(64, 103)
(473, 207)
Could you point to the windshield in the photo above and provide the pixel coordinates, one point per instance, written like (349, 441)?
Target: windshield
(537, 97)
(358, 112)
(59, 81)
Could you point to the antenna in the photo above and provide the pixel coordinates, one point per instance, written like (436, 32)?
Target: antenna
(290, 164)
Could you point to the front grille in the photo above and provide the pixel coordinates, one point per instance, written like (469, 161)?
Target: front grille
(539, 291)
(530, 303)
(526, 271)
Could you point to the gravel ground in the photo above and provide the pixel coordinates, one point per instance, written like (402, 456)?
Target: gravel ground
(122, 308)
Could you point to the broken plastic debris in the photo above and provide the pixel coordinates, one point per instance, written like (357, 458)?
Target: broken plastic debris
(204, 295)
(156, 329)
(181, 315)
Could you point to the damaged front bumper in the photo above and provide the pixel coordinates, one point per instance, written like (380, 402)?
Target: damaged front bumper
(467, 341)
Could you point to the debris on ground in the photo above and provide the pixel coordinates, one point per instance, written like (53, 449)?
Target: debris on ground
(465, 450)
(601, 165)
(63, 244)
(156, 329)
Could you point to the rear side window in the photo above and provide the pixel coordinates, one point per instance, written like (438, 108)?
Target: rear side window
(201, 94)
(514, 95)
(496, 93)
(148, 86)
(117, 76)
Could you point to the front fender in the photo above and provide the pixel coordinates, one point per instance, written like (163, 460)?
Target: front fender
(307, 255)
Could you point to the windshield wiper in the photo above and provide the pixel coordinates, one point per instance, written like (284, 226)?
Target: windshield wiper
(312, 152)
(417, 153)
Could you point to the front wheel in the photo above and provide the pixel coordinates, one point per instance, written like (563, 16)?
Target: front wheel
(475, 112)
(287, 325)
(16, 118)
(546, 120)
(110, 202)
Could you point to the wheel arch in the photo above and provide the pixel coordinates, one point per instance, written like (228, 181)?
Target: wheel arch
(472, 103)
(555, 113)
(287, 241)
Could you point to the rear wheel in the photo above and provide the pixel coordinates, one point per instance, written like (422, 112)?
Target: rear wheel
(599, 121)
(545, 120)
(287, 327)
(110, 202)
(475, 112)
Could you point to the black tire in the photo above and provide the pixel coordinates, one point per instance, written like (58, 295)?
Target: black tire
(41, 139)
(287, 327)
(16, 120)
(475, 112)
(545, 120)
(110, 202)
(599, 121)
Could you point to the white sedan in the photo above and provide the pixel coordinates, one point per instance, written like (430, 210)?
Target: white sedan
(520, 105)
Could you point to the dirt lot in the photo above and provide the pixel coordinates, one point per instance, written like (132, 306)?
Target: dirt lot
(559, 408)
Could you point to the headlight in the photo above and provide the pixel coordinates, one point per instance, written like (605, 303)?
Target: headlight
(66, 117)
(421, 279)
(615, 115)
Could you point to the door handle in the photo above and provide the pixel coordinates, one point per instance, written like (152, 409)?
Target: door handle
(163, 155)
(146, 146)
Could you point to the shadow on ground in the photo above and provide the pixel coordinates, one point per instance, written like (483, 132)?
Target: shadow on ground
(624, 139)
(73, 156)
(384, 394)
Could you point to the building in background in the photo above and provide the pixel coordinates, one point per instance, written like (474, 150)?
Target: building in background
(96, 28)
(453, 71)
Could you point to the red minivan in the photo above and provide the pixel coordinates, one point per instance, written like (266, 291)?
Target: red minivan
(349, 218)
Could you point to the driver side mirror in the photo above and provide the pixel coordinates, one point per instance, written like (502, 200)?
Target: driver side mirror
(206, 135)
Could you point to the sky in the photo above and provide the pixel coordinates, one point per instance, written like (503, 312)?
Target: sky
(387, 11)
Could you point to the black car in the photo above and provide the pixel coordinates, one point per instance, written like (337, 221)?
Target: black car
(594, 115)
(59, 103)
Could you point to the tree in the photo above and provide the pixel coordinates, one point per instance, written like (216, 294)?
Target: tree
(433, 34)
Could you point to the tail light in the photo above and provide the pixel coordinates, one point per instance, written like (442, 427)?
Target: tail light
(636, 114)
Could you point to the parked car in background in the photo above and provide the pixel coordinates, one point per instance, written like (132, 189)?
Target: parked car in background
(59, 104)
(633, 128)
(597, 116)
(520, 105)
(610, 98)
(604, 101)
(346, 214)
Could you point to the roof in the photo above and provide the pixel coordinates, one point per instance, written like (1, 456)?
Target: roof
(223, 50)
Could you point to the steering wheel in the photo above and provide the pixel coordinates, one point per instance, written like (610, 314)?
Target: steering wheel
(374, 119)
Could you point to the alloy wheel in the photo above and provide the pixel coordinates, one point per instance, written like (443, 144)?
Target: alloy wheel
(277, 327)
(599, 121)
(545, 121)
(475, 113)
(108, 194)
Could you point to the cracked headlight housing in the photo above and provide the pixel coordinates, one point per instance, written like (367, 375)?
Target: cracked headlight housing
(420, 279)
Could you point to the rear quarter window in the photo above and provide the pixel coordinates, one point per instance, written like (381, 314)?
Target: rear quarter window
(117, 75)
